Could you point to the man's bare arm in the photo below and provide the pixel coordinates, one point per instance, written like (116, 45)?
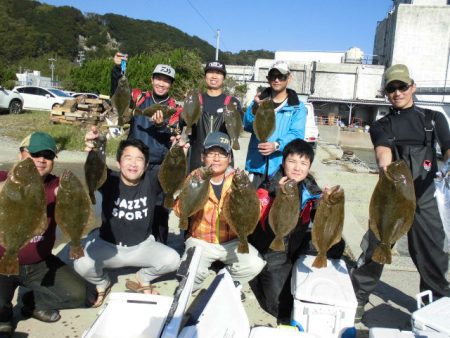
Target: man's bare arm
(384, 156)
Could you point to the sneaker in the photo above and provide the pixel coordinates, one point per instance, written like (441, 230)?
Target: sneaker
(359, 313)
(47, 316)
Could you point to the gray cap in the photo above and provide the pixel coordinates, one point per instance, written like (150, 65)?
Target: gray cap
(281, 66)
(165, 70)
(218, 139)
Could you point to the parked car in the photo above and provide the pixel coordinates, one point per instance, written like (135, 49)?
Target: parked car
(39, 98)
(311, 130)
(88, 95)
(11, 101)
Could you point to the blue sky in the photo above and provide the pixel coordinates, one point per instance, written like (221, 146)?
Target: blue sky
(295, 25)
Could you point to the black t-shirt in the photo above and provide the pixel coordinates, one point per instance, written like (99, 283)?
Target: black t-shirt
(408, 128)
(127, 211)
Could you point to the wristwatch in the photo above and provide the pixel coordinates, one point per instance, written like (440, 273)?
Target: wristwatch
(277, 146)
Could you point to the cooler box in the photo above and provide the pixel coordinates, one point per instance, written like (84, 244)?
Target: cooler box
(434, 317)
(272, 332)
(378, 332)
(324, 300)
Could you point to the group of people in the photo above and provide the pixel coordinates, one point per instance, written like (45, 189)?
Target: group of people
(140, 240)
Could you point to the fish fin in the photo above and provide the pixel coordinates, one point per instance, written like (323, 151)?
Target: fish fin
(277, 244)
(236, 145)
(320, 261)
(9, 265)
(184, 222)
(168, 201)
(76, 251)
(382, 254)
(243, 245)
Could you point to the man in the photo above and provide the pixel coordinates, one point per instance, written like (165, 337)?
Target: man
(264, 158)
(124, 237)
(409, 133)
(272, 287)
(213, 103)
(208, 228)
(155, 132)
(65, 289)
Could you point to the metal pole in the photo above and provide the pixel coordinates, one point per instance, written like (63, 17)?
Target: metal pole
(217, 44)
(446, 74)
(52, 67)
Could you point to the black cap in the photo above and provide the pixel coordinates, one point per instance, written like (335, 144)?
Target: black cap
(218, 139)
(216, 65)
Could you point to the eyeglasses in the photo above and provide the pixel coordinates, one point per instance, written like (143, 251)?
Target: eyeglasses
(392, 88)
(213, 154)
(47, 154)
(273, 77)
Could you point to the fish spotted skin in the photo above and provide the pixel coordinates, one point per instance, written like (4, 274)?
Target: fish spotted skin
(233, 124)
(172, 173)
(95, 169)
(264, 123)
(121, 99)
(192, 110)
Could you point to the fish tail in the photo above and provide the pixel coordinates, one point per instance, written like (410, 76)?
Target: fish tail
(382, 254)
(277, 244)
(92, 197)
(9, 265)
(320, 261)
(184, 222)
(236, 145)
(188, 130)
(168, 201)
(243, 246)
(76, 251)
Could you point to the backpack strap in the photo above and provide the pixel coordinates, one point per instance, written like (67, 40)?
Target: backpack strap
(227, 100)
(429, 126)
(200, 98)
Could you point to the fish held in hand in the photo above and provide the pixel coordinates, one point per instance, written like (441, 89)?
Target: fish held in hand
(121, 99)
(264, 122)
(172, 173)
(284, 213)
(328, 223)
(392, 208)
(194, 195)
(72, 211)
(150, 111)
(233, 124)
(95, 169)
(192, 109)
(23, 212)
(241, 208)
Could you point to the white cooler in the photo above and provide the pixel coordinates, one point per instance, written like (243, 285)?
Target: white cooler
(434, 317)
(324, 300)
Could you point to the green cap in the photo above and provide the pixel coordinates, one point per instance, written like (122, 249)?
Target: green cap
(397, 73)
(39, 141)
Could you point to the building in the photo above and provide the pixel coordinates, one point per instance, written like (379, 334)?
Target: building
(33, 79)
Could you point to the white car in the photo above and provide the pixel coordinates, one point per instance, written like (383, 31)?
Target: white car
(311, 130)
(10, 101)
(39, 98)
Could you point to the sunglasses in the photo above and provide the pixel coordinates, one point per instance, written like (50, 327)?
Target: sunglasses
(47, 154)
(280, 77)
(392, 88)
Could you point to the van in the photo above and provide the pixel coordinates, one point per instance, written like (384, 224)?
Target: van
(311, 130)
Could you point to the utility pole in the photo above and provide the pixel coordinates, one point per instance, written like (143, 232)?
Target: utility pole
(52, 67)
(217, 44)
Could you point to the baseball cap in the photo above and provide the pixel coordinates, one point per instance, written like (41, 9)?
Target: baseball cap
(165, 70)
(281, 66)
(218, 139)
(216, 65)
(39, 141)
(397, 72)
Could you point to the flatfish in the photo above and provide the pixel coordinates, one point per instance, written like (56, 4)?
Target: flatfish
(23, 212)
(442, 194)
(72, 211)
(172, 173)
(241, 208)
(95, 167)
(194, 194)
(121, 99)
(150, 111)
(284, 213)
(392, 207)
(233, 124)
(328, 223)
(264, 122)
(192, 110)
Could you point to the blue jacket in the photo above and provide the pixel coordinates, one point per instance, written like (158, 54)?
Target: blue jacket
(290, 124)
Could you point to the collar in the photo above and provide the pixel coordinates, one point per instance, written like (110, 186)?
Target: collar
(292, 96)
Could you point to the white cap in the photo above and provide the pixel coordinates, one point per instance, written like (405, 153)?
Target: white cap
(281, 66)
(165, 70)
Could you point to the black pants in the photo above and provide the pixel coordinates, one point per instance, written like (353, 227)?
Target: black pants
(426, 240)
(160, 226)
(54, 286)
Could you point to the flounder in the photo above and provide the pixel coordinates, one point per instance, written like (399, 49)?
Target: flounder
(233, 124)
(23, 212)
(95, 167)
(121, 99)
(172, 173)
(241, 208)
(264, 122)
(392, 207)
(192, 109)
(328, 223)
